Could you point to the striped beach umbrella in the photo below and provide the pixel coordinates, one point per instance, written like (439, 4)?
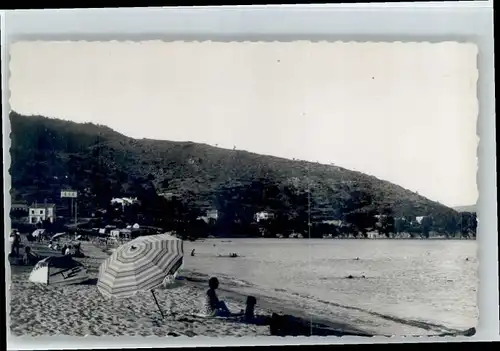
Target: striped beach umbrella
(140, 265)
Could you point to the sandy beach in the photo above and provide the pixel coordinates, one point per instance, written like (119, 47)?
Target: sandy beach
(81, 310)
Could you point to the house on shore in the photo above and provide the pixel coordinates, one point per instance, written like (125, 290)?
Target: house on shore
(41, 212)
(263, 216)
(121, 233)
(124, 201)
(213, 214)
(419, 219)
(335, 222)
(209, 215)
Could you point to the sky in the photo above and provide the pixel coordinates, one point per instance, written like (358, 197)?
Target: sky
(403, 112)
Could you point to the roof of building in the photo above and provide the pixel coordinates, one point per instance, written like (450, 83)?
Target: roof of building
(18, 205)
(43, 205)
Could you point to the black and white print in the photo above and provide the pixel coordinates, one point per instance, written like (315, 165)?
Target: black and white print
(243, 188)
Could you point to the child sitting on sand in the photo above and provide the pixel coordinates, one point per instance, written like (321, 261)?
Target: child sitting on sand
(213, 306)
(250, 308)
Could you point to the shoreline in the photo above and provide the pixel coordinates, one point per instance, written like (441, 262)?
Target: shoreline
(334, 324)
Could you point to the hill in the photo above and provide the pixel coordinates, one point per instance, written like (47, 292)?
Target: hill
(50, 154)
(470, 208)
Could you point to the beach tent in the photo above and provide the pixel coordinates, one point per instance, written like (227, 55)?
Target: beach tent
(62, 270)
(136, 226)
(38, 232)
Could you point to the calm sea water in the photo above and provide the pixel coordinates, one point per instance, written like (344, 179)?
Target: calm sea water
(410, 286)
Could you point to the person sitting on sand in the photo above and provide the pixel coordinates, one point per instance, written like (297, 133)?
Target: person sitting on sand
(29, 257)
(250, 308)
(67, 252)
(213, 306)
(78, 252)
(16, 243)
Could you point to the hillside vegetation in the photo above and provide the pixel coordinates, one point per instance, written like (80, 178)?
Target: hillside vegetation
(51, 154)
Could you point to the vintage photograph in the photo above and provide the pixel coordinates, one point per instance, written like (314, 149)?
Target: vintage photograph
(242, 188)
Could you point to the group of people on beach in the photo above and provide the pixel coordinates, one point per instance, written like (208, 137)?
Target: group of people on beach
(67, 249)
(28, 258)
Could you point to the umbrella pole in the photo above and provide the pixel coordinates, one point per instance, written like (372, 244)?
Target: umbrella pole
(159, 308)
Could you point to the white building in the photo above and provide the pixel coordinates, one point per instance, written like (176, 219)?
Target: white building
(263, 216)
(419, 219)
(210, 214)
(42, 212)
(121, 233)
(123, 201)
(334, 222)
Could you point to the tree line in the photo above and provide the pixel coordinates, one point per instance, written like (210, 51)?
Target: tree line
(295, 209)
(237, 207)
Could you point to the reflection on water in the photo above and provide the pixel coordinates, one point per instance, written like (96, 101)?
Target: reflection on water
(416, 280)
